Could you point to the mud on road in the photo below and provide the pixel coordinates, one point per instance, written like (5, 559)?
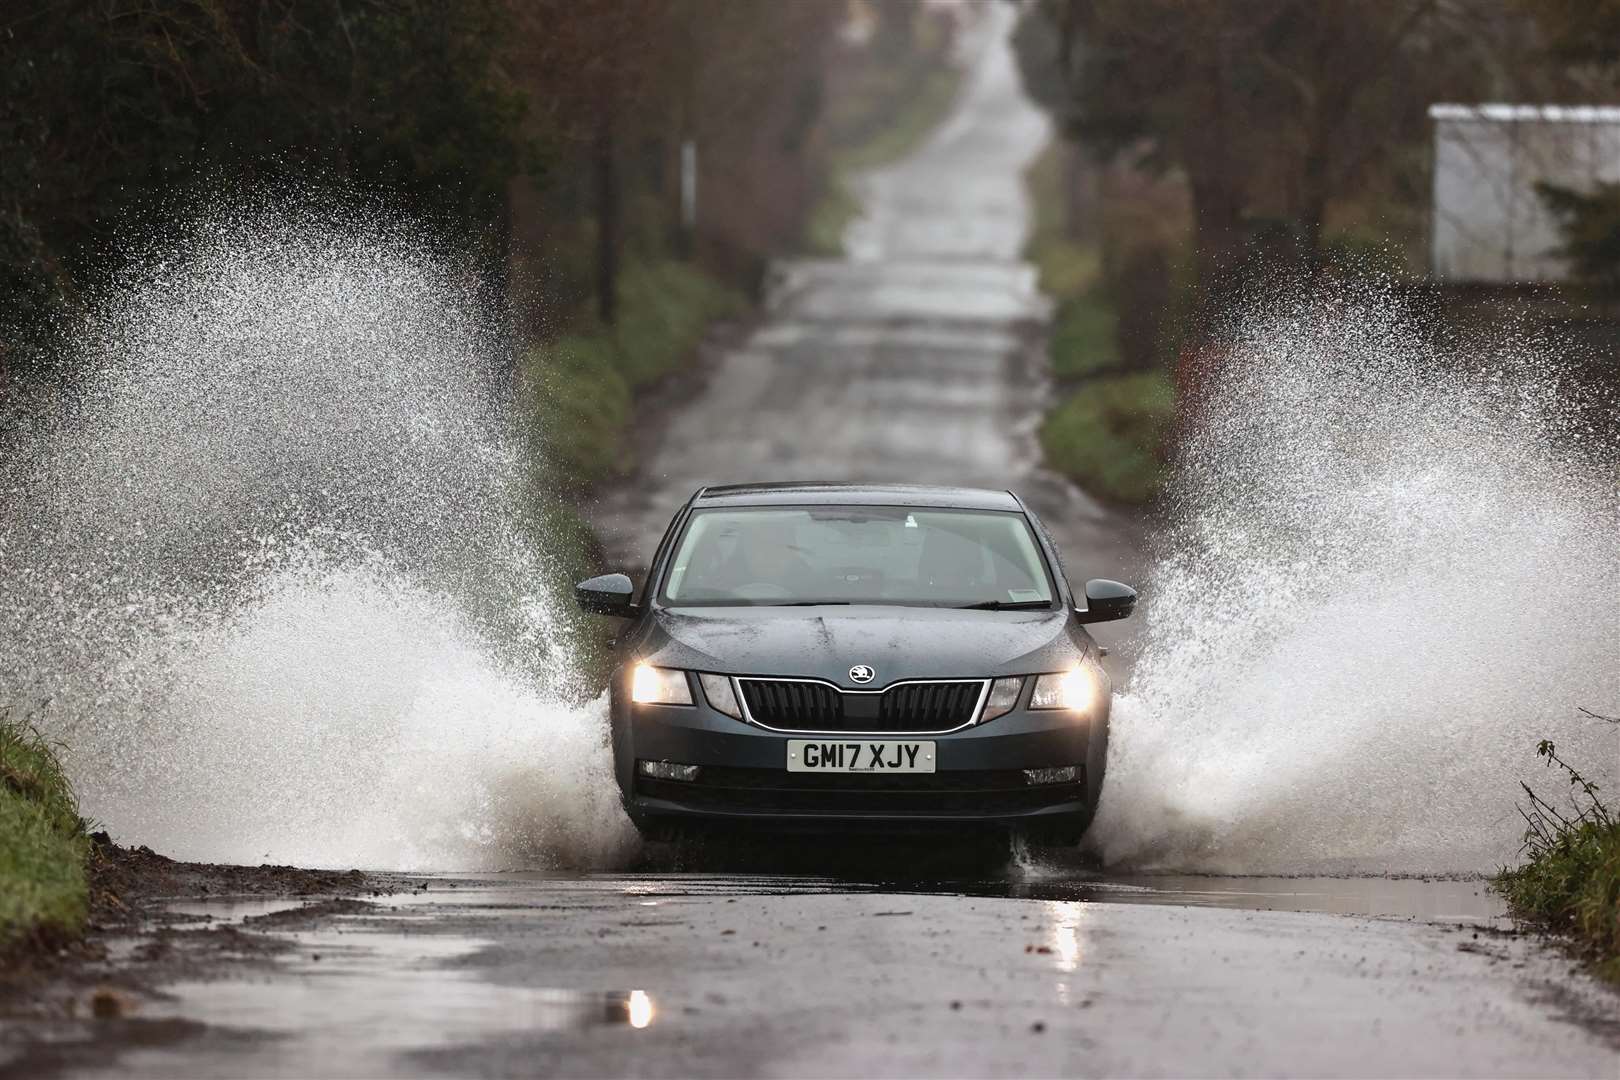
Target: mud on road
(152, 919)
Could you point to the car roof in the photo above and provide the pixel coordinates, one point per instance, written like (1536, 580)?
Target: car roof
(822, 493)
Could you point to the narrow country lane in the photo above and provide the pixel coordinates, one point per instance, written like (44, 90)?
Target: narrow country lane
(915, 358)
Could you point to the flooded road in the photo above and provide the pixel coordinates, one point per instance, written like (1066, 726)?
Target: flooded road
(727, 975)
(916, 358)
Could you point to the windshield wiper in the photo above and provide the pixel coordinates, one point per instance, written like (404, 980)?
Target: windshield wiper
(811, 603)
(1005, 605)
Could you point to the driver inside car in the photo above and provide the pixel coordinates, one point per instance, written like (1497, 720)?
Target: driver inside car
(760, 562)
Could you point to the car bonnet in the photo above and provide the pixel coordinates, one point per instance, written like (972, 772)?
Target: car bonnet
(896, 642)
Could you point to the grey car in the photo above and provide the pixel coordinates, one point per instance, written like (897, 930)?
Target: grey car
(837, 656)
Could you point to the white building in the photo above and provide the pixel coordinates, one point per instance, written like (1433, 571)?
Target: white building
(1488, 223)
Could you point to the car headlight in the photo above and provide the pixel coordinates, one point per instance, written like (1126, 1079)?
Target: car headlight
(1077, 689)
(659, 686)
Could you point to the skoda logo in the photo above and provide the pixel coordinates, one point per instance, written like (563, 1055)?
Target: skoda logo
(861, 673)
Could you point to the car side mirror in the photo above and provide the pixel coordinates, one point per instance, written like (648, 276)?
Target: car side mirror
(1106, 601)
(606, 594)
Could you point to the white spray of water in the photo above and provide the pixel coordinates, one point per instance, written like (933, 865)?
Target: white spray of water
(267, 573)
(1394, 568)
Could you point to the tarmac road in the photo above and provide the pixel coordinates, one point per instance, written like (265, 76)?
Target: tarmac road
(915, 359)
(737, 975)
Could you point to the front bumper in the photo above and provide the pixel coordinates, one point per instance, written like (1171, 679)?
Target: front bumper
(743, 777)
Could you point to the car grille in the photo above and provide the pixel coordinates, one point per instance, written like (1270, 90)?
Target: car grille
(928, 706)
(813, 706)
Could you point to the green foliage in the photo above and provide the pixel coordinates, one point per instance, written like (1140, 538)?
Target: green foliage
(1590, 224)
(1067, 267)
(1113, 255)
(1108, 436)
(581, 384)
(1085, 326)
(583, 406)
(580, 390)
(43, 846)
(913, 112)
(1085, 337)
(667, 307)
(1108, 433)
(1570, 876)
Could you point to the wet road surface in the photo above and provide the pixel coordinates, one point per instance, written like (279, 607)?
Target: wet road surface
(914, 359)
(728, 975)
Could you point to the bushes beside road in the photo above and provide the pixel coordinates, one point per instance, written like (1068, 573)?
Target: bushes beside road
(1108, 432)
(1083, 338)
(581, 383)
(43, 842)
(1574, 887)
(1109, 435)
(1570, 878)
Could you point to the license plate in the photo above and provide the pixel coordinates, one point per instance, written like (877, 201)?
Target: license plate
(859, 756)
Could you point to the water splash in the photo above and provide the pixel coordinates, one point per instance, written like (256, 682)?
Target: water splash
(1393, 569)
(269, 571)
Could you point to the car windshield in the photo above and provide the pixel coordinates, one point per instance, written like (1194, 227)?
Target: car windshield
(858, 555)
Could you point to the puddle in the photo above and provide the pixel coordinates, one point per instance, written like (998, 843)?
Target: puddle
(400, 987)
(389, 1000)
(1432, 900)
(1439, 900)
(227, 911)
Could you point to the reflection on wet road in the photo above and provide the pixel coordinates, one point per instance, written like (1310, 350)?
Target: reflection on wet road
(728, 975)
(1438, 900)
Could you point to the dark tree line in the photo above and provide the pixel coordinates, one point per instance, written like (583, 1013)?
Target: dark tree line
(620, 86)
(108, 107)
(1584, 37)
(1276, 112)
(548, 131)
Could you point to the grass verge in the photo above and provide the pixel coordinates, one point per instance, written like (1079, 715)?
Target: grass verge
(1569, 880)
(1108, 436)
(1084, 340)
(44, 846)
(581, 384)
(1108, 432)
